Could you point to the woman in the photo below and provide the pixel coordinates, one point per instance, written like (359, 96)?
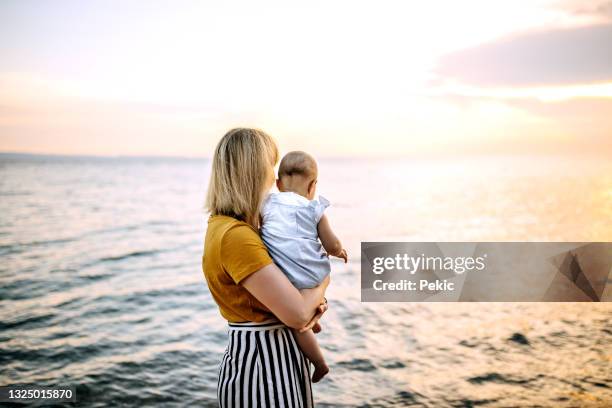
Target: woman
(262, 365)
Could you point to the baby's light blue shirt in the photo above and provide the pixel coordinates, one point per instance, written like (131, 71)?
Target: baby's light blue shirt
(289, 230)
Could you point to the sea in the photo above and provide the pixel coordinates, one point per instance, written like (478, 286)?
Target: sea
(101, 284)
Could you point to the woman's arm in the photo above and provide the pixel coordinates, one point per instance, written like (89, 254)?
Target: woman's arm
(330, 241)
(293, 307)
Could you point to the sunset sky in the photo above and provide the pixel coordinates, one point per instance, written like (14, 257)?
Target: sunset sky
(334, 78)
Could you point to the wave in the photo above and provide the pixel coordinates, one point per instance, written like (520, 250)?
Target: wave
(134, 254)
(27, 322)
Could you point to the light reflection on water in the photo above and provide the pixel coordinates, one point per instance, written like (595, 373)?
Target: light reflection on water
(101, 283)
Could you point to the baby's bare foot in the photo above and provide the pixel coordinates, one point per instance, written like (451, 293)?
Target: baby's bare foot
(320, 371)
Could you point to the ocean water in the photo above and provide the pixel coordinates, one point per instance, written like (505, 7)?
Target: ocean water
(101, 283)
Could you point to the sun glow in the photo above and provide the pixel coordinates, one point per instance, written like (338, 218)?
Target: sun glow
(338, 78)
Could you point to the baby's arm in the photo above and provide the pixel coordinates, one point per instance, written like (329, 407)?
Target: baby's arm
(330, 241)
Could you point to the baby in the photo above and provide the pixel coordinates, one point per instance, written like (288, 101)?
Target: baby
(292, 225)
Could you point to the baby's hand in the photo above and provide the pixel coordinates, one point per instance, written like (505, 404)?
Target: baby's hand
(343, 255)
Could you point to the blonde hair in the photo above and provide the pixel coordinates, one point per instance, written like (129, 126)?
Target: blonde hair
(242, 167)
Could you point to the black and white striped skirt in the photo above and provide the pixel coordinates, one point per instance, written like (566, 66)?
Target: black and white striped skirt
(263, 366)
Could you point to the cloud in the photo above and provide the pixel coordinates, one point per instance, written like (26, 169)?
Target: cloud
(551, 57)
(599, 9)
(578, 126)
(589, 118)
(39, 115)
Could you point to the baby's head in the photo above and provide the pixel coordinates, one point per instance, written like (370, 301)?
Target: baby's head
(298, 173)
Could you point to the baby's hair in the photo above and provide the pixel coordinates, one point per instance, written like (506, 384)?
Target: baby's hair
(297, 163)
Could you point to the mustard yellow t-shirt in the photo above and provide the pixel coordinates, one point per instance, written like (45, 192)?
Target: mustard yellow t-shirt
(232, 251)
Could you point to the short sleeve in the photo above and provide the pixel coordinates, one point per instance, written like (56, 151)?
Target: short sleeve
(243, 252)
(319, 207)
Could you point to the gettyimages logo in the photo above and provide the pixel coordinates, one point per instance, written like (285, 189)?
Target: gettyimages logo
(413, 264)
(486, 272)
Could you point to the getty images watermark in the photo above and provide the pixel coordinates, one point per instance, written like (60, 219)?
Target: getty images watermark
(487, 271)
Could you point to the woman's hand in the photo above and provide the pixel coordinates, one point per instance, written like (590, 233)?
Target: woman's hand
(320, 310)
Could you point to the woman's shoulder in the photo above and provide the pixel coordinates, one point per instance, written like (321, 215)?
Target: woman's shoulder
(230, 235)
(233, 247)
(224, 224)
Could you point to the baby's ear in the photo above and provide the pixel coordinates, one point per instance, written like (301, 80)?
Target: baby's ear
(279, 184)
(312, 185)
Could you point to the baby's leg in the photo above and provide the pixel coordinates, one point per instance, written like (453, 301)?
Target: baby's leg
(310, 348)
